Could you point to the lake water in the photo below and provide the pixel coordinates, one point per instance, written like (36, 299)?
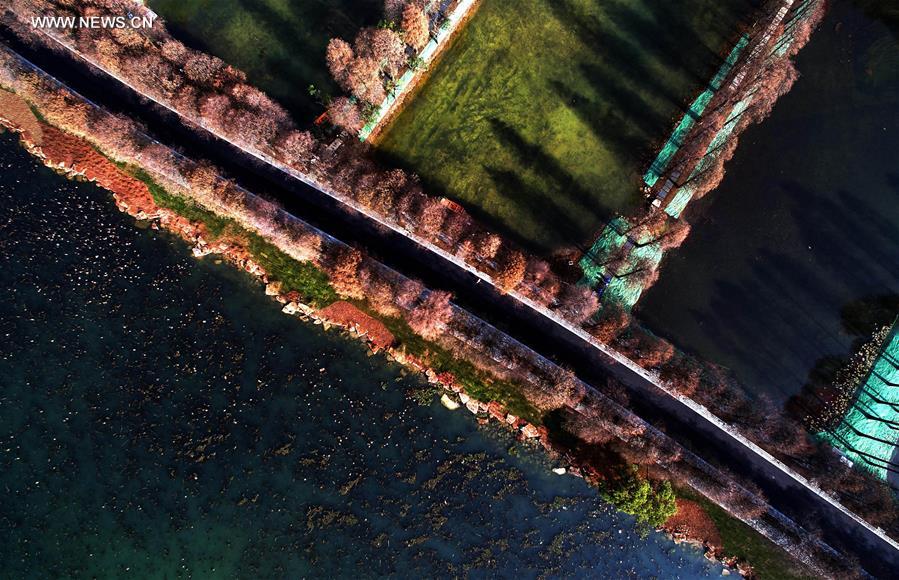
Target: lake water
(160, 418)
(806, 222)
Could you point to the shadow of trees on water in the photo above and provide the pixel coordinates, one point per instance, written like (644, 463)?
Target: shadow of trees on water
(302, 34)
(885, 11)
(860, 319)
(797, 310)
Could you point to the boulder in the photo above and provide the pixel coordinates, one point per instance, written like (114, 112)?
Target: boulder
(560, 471)
(200, 251)
(449, 403)
(496, 411)
(530, 431)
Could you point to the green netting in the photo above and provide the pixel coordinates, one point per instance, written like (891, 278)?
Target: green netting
(623, 290)
(426, 55)
(683, 195)
(695, 111)
(786, 39)
(864, 435)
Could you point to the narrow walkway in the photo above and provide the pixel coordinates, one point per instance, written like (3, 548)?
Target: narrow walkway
(410, 78)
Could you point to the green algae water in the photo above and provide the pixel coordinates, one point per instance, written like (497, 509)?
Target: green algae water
(543, 114)
(160, 418)
(804, 231)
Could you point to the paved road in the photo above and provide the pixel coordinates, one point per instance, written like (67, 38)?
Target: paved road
(564, 345)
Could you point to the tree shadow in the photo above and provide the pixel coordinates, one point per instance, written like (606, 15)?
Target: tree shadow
(303, 33)
(540, 208)
(883, 11)
(669, 36)
(605, 122)
(535, 158)
(846, 234)
(860, 318)
(621, 57)
(632, 42)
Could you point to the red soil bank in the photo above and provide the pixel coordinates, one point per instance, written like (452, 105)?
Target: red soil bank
(73, 153)
(16, 114)
(345, 314)
(692, 523)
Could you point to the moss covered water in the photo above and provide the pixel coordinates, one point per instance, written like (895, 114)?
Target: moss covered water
(804, 230)
(160, 418)
(544, 114)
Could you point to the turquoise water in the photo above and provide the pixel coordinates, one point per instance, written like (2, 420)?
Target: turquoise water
(805, 226)
(160, 418)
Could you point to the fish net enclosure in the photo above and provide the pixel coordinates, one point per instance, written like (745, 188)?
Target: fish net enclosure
(868, 433)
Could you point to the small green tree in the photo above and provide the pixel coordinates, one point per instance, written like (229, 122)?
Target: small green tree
(416, 62)
(633, 494)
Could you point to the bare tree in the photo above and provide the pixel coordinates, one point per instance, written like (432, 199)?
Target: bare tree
(431, 316)
(345, 114)
(344, 274)
(408, 293)
(340, 56)
(612, 320)
(511, 271)
(578, 303)
(415, 26)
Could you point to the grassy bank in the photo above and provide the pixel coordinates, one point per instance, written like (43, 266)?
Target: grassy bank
(544, 113)
(301, 277)
(313, 285)
(477, 383)
(739, 540)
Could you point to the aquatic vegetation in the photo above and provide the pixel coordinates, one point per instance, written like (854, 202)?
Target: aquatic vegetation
(425, 394)
(544, 113)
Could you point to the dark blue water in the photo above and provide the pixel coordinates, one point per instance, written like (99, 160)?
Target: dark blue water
(806, 222)
(159, 417)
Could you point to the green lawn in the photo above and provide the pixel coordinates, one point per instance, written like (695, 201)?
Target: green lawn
(280, 44)
(767, 559)
(544, 113)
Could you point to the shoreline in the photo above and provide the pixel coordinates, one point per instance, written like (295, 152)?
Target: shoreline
(134, 198)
